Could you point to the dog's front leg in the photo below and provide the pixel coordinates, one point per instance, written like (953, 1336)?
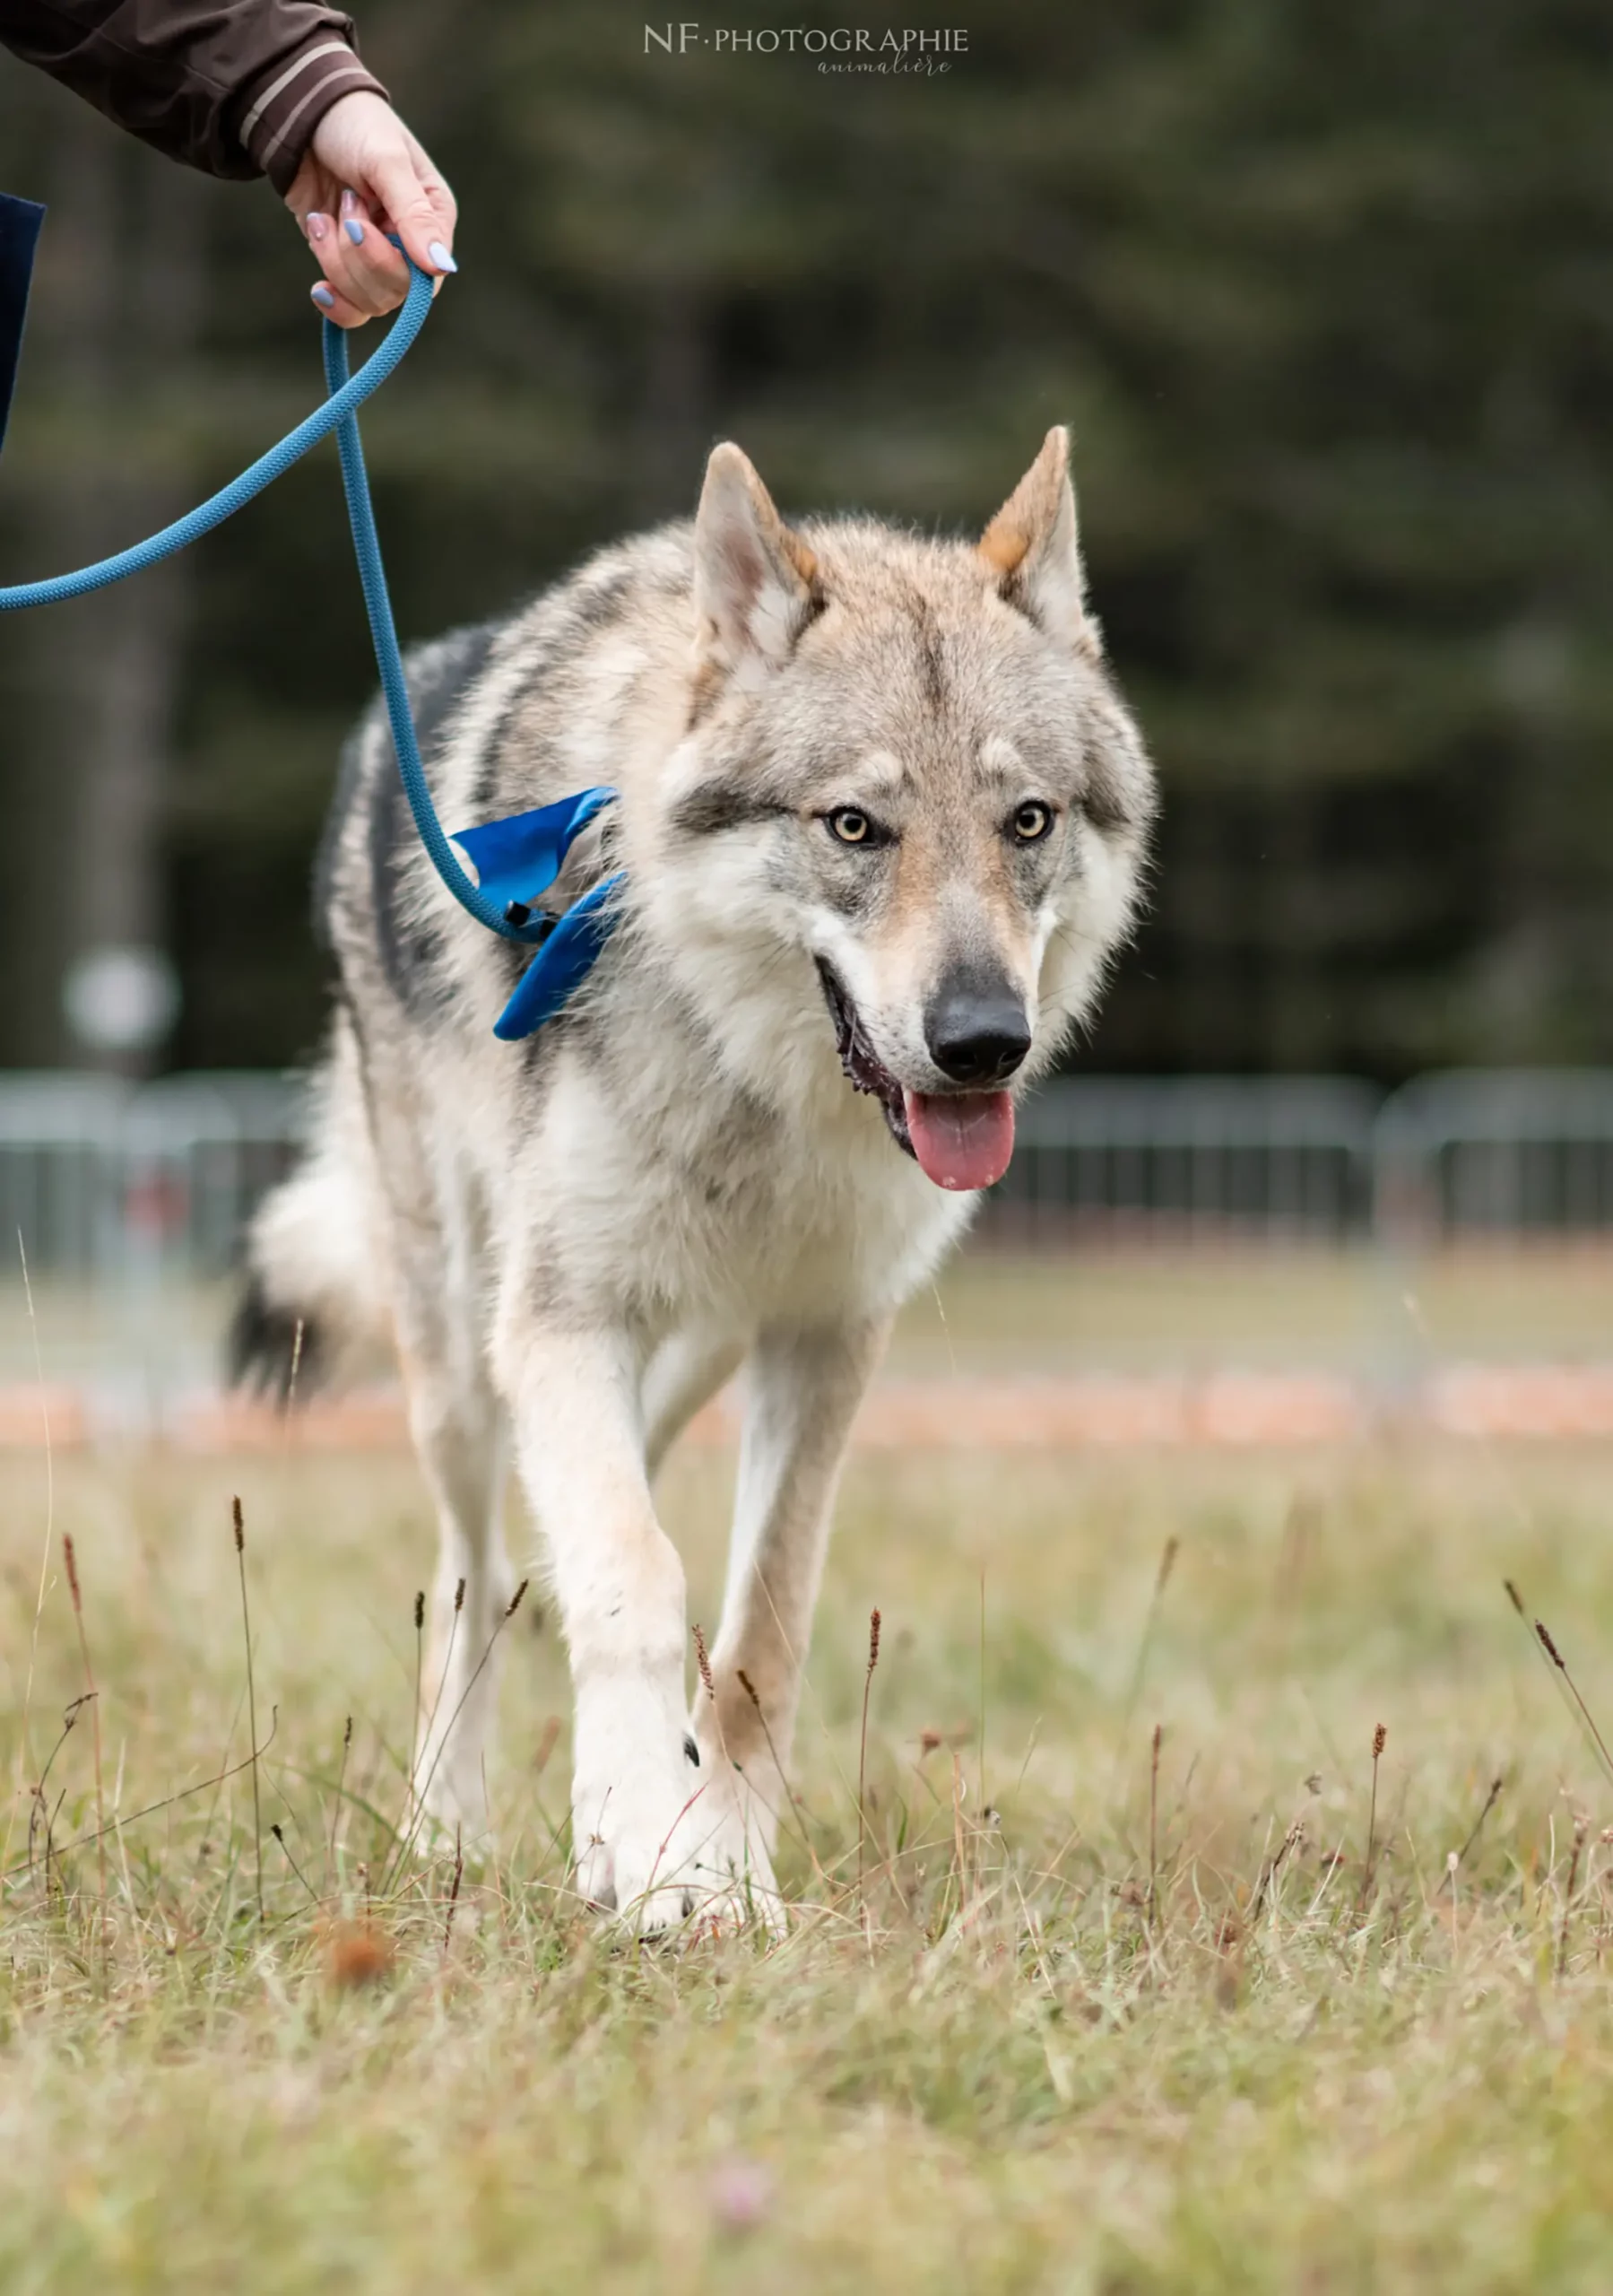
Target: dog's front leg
(636, 1788)
(802, 1389)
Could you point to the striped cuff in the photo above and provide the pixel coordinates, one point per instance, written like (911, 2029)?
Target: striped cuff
(282, 115)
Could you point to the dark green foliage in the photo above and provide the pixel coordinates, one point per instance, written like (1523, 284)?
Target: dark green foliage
(1326, 292)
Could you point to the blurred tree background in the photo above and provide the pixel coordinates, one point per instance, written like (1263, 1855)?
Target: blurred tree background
(1327, 294)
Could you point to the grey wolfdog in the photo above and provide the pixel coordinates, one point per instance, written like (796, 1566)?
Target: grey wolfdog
(883, 817)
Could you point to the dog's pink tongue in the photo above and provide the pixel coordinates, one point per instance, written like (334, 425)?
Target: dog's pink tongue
(962, 1140)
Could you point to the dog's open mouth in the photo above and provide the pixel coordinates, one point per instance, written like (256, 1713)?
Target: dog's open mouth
(959, 1140)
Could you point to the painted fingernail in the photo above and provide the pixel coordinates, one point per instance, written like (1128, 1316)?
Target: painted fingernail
(349, 203)
(354, 230)
(440, 256)
(317, 226)
(322, 295)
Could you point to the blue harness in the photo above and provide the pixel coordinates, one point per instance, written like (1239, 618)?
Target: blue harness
(516, 860)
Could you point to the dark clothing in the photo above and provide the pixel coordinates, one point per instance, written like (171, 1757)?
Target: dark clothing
(234, 87)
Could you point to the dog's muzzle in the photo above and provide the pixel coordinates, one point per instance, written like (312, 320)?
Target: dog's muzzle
(962, 1140)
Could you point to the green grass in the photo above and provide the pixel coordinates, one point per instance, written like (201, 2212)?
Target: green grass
(999, 2068)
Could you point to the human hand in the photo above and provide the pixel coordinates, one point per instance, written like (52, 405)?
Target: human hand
(363, 176)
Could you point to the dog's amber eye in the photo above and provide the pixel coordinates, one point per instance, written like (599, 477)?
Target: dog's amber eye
(850, 826)
(1031, 822)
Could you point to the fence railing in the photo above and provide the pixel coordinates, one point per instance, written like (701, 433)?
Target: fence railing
(1197, 1159)
(1460, 1154)
(97, 1179)
(1497, 1152)
(103, 1182)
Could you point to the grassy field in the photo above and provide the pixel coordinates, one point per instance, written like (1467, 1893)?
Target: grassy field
(1078, 2027)
(1357, 1311)
(1001, 1312)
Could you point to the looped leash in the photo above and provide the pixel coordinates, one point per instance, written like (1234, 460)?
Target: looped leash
(516, 860)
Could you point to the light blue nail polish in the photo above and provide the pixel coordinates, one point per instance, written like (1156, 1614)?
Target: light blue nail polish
(355, 230)
(440, 256)
(323, 298)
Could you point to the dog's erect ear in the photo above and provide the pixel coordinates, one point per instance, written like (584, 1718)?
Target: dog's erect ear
(756, 583)
(1032, 553)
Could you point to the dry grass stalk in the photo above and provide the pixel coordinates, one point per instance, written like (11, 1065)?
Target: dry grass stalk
(280, 1837)
(93, 1698)
(981, 1739)
(873, 1660)
(151, 1809)
(1295, 1834)
(45, 1545)
(1154, 1827)
(448, 1928)
(1162, 1578)
(1491, 1798)
(703, 1660)
(1380, 1739)
(1581, 1828)
(1451, 1862)
(788, 1803)
(40, 1812)
(419, 1661)
(238, 1521)
(41, 1818)
(1561, 1663)
(416, 1789)
(347, 1739)
(1546, 1651)
(511, 1607)
(959, 1841)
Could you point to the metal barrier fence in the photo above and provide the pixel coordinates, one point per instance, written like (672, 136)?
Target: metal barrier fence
(1497, 1151)
(1459, 1154)
(99, 1180)
(1193, 1158)
(105, 1182)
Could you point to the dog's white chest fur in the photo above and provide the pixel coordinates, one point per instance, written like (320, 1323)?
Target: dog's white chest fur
(697, 1201)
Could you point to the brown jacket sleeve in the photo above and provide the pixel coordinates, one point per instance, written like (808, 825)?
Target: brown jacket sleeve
(234, 87)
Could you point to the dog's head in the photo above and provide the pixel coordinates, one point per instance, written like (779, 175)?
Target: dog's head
(906, 760)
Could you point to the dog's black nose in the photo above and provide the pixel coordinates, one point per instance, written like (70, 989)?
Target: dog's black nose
(977, 1031)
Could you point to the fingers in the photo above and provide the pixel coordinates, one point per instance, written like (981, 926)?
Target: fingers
(361, 265)
(417, 207)
(331, 305)
(329, 295)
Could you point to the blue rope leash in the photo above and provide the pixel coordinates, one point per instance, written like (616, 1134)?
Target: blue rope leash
(516, 860)
(381, 364)
(377, 602)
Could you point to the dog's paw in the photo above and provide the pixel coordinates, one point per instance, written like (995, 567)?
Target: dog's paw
(733, 1868)
(662, 1851)
(637, 1838)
